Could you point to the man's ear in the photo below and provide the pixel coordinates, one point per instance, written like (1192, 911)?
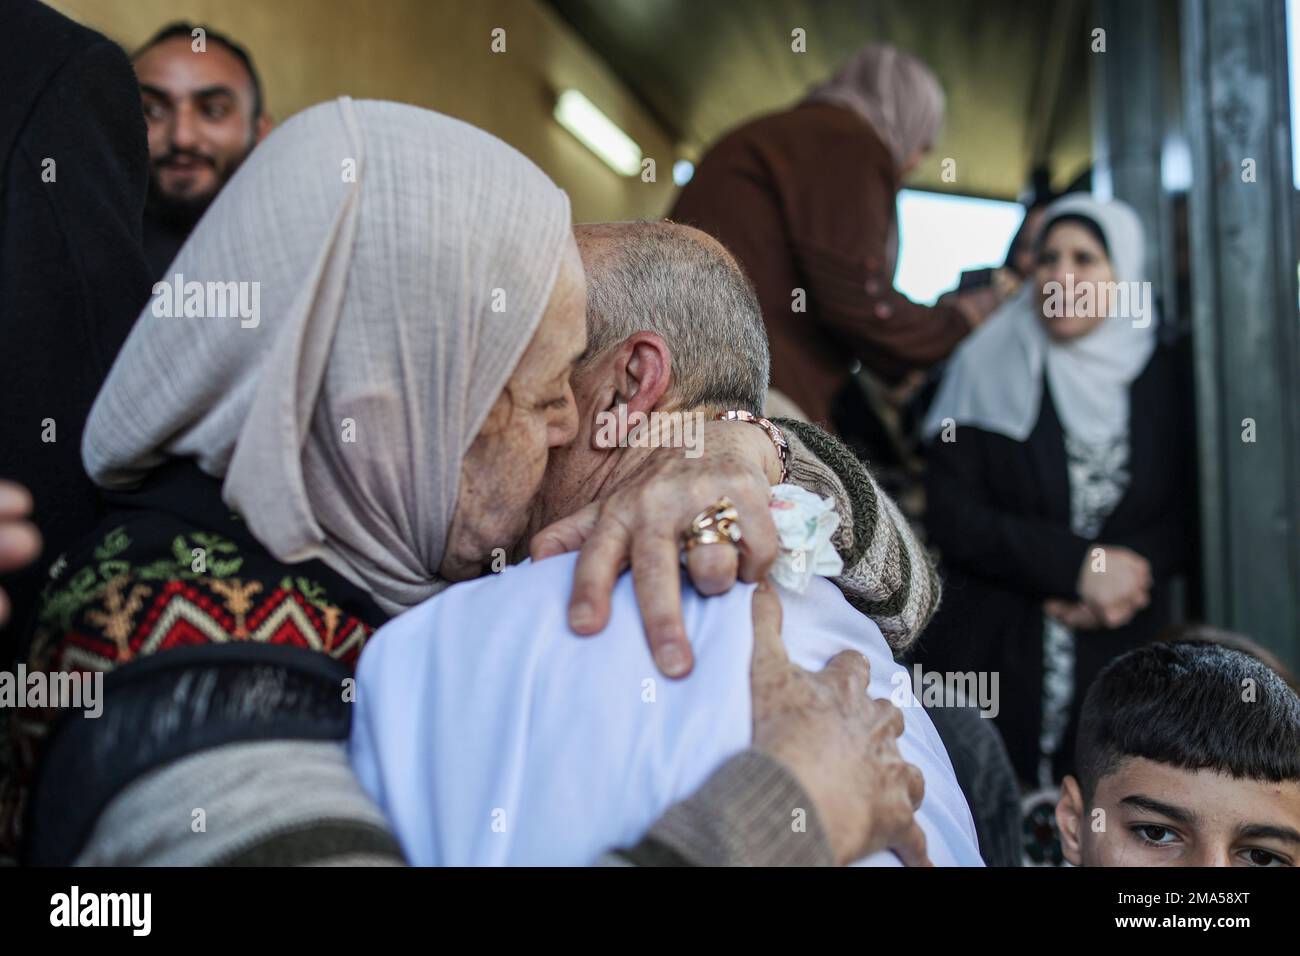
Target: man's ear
(1070, 818)
(643, 372)
(264, 126)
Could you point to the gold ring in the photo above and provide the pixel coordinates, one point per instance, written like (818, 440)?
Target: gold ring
(714, 525)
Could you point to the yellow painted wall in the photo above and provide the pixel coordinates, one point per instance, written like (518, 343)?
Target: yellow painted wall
(433, 53)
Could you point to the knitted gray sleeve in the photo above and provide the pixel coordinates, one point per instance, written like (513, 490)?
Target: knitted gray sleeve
(262, 802)
(743, 815)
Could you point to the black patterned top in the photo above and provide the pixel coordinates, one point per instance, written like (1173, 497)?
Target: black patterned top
(189, 618)
(1099, 476)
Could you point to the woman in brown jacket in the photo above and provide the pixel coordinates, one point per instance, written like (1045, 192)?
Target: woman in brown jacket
(805, 199)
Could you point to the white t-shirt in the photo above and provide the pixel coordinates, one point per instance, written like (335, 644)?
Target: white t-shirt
(490, 734)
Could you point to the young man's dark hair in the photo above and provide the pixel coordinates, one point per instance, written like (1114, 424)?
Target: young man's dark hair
(1192, 741)
(185, 29)
(1190, 705)
(1195, 632)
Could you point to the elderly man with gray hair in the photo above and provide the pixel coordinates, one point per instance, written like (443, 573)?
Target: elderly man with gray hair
(491, 736)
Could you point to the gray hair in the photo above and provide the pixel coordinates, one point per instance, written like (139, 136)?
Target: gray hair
(679, 284)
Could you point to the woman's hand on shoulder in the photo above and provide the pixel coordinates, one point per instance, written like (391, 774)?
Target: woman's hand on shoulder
(840, 744)
(642, 524)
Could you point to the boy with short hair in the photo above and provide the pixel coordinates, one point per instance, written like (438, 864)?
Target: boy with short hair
(1188, 755)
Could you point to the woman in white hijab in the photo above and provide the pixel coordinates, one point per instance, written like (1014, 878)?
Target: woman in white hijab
(1057, 480)
(341, 399)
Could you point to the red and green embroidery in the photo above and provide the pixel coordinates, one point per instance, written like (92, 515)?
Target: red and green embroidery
(116, 607)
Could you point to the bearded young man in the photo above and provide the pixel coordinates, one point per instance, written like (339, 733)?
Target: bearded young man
(204, 111)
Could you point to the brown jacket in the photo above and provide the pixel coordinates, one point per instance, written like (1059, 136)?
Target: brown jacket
(805, 200)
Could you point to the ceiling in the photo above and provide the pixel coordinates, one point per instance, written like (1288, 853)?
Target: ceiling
(1015, 71)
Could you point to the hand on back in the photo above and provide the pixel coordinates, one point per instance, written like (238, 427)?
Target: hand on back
(841, 745)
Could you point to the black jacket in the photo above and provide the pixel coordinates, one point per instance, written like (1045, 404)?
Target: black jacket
(72, 274)
(999, 514)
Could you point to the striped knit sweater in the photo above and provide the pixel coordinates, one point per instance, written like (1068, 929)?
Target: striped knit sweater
(888, 575)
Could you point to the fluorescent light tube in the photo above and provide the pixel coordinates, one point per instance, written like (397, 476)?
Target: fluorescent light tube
(598, 133)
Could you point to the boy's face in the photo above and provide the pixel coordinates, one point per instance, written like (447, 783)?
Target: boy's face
(1151, 814)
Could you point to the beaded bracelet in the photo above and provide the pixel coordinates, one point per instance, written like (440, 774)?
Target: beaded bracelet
(773, 432)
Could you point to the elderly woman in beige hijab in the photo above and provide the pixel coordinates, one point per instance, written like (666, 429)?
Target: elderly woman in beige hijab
(805, 199)
(341, 400)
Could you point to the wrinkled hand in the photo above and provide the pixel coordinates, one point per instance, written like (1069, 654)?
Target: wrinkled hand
(840, 744)
(1119, 592)
(20, 542)
(642, 522)
(1075, 615)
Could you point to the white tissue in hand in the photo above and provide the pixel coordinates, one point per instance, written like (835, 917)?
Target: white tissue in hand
(804, 524)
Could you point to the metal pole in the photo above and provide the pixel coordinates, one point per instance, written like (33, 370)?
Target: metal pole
(1245, 319)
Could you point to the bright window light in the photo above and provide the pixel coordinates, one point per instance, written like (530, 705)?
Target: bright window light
(1293, 73)
(1176, 165)
(683, 170)
(598, 132)
(941, 236)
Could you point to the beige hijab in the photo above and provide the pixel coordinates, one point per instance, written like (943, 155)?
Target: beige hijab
(403, 260)
(893, 91)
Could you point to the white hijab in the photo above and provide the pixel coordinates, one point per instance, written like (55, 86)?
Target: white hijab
(381, 236)
(995, 379)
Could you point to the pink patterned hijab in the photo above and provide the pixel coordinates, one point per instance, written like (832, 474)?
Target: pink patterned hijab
(893, 91)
